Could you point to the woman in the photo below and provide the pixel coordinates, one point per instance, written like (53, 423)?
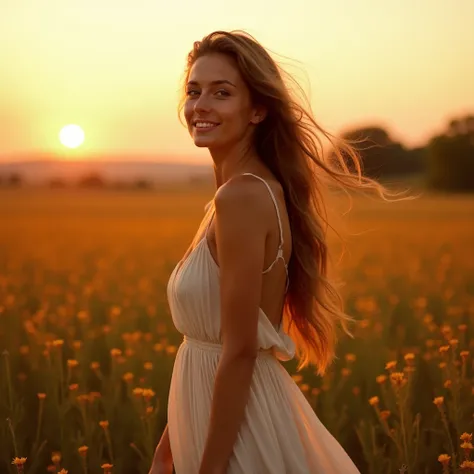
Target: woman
(252, 288)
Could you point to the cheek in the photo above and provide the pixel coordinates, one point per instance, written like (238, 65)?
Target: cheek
(235, 115)
(240, 120)
(188, 113)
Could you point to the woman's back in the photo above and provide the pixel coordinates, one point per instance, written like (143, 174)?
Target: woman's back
(278, 245)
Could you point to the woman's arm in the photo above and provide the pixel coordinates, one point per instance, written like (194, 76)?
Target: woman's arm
(240, 235)
(163, 449)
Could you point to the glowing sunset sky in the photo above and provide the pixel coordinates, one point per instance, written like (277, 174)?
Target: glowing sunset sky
(114, 67)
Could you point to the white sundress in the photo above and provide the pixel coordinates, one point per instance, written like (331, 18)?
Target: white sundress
(280, 433)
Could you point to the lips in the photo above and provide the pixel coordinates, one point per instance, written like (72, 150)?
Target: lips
(204, 125)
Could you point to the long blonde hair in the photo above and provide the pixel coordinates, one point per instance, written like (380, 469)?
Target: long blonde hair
(287, 142)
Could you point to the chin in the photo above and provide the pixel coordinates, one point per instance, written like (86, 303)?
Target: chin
(204, 142)
(200, 143)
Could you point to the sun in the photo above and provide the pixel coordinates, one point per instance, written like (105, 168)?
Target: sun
(71, 136)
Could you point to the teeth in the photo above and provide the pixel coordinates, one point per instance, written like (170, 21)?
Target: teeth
(204, 125)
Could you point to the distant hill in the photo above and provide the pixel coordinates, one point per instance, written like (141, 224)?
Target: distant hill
(40, 171)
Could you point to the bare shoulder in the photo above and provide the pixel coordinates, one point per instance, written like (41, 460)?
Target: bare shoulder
(242, 195)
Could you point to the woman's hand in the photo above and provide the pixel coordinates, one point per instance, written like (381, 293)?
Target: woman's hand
(163, 459)
(161, 467)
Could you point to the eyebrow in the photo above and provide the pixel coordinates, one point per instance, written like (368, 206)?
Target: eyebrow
(213, 83)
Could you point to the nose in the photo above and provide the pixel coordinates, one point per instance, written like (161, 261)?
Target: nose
(202, 103)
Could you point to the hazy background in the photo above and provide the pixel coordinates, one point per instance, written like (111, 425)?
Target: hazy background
(114, 68)
(89, 236)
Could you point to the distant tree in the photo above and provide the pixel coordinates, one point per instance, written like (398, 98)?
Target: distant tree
(91, 180)
(450, 157)
(14, 180)
(381, 155)
(142, 183)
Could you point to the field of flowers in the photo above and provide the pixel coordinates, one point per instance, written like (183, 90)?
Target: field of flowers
(87, 343)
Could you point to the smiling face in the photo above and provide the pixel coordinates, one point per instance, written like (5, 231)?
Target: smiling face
(218, 109)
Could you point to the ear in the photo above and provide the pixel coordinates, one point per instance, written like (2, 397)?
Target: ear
(258, 115)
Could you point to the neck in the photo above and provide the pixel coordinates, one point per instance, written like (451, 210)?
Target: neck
(232, 162)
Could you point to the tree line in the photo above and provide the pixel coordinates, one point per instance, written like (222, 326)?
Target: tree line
(445, 163)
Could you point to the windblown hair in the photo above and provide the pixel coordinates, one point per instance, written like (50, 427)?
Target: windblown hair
(287, 142)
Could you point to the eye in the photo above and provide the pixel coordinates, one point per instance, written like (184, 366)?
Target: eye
(222, 93)
(191, 92)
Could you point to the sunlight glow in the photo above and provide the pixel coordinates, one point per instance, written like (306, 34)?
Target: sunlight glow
(71, 136)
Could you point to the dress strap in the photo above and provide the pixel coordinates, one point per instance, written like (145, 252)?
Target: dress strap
(274, 202)
(282, 241)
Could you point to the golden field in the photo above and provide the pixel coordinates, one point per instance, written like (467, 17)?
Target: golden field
(88, 343)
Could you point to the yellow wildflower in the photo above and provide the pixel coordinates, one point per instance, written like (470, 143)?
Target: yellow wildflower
(128, 377)
(171, 350)
(350, 357)
(380, 379)
(148, 393)
(304, 387)
(374, 401)
(397, 378)
(77, 345)
(444, 459)
(345, 372)
(82, 450)
(438, 401)
(82, 399)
